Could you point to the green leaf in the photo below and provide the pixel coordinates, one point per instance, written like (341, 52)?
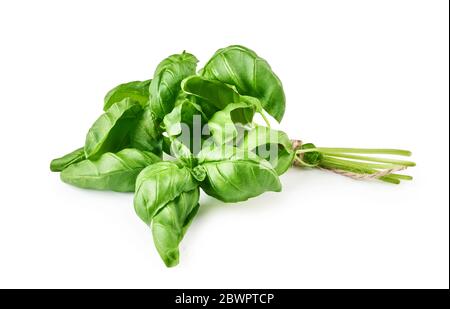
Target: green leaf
(233, 175)
(112, 171)
(110, 132)
(165, 85)
(271, 145)
(182, 153)
(186, 112)
(186, 122)
(211, 95)
(199, 94)
(229, 124)
(170, 224)
(136, 90)
(157, 185)
(250, 74)
(147, 134)
(59, 164)
(172, 121)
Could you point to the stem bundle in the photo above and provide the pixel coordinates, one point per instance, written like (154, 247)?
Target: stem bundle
(357, 163)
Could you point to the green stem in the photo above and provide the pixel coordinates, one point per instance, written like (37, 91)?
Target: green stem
(398, 152)
(372, 159)
(401, 176)
(346, 164)
(389, 179)
(367, 164)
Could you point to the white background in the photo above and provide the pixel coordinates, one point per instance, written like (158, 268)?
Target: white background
(355, 73)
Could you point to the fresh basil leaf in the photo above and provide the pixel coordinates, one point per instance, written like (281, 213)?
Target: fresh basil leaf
(233, 175)
(157, 185)
(165, 85)
(186, 112)
(170, 224)
(110, 132)
(250, 74)
(230, 123)
(211, 95)
(59, 164)
(112, 171)
(272, 145)
(182, 153)
(185, 122)
(136, 90)
(147, 134)
(173, 120)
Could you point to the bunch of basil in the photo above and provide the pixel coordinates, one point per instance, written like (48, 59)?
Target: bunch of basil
(144, 119)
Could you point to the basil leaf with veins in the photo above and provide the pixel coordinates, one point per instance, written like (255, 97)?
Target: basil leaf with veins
(136, 90)
(170, 224)
(165, 86)
(211, 95)
(166, 198)
(111, 131)
(159, 184)
(229, 124)
(59, 164)
(233, 175)
(250, 74)
(147, 134)
(272, 145)
(112, 171)
(185, 122)
(186, 112)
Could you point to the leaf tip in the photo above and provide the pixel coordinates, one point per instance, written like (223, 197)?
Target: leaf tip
(171, 258)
